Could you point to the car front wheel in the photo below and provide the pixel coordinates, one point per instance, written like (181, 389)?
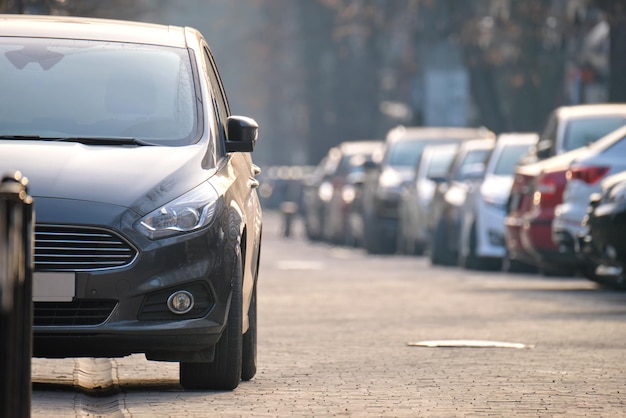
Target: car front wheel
(225, 371)
(248, 366)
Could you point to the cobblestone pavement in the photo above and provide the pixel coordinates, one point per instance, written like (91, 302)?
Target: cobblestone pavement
(335, 328)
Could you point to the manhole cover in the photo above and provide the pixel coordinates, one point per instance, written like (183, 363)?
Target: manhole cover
(468, 343)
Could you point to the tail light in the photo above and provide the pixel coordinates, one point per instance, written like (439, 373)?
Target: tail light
(588, 174)
(549, 189)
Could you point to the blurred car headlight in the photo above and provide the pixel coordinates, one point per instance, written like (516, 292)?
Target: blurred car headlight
(390, 179)
(325, 192)
(494, 201)
(193, 210)
(348, 193)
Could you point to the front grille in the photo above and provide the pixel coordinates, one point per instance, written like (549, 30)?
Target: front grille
(71, 248)
(77, 312)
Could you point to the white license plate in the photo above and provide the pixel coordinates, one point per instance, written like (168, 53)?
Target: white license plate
(53, 287)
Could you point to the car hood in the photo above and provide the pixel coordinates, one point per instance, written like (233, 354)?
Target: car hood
(140, 178)
(498, 188)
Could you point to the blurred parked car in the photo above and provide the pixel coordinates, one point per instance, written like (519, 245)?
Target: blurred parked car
(282, 184)
(414, 233)
(539, 183)
(482, 216)
(588, 167)
(382, 190)
(148, 224)
(571, 127)
(467, 168)
(604, 240)
(332, 188)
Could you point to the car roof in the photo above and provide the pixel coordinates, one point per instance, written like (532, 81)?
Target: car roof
(433, 132)
(477, 144)
(517, 137)
(67, 27)
(364, 146)
(579, 111)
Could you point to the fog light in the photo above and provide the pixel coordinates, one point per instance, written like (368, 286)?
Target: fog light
(180, 302)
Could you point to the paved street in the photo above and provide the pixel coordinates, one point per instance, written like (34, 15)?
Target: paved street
(335, 334)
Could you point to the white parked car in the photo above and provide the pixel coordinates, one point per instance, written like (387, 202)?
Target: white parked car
(481, 242)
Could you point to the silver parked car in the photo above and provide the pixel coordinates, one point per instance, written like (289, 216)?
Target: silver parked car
(415, 204)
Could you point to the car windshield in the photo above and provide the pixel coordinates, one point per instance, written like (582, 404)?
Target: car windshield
(582, 132)
(509, 157)
(408, 152)
(59, 88)
(405, 153)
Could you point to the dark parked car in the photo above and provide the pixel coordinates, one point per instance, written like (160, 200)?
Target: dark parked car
(148, 225)
(604, 242)
(386, 179)
(331, 189)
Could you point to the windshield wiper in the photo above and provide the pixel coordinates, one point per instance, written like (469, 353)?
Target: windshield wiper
(101, 140)
(87, 140)
(21, 137)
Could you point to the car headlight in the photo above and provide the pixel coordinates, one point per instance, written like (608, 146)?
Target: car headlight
(348, 193)
(495, 201)
(325, 192)
(390, 179)
(193, 210)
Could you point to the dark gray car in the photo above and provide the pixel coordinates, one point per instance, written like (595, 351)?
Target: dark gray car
(147, 235)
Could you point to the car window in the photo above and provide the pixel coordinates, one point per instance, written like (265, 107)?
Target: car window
(619, 148)
(439, 163)
(220, 102)
(471, 157)
(582, 132)
(508, 158)
(80, 88)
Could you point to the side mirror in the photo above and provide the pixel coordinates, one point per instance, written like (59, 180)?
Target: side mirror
(369, 165)
(474, 171)
(438, 178)
(241, 134)
(594, 200)
(544, 149)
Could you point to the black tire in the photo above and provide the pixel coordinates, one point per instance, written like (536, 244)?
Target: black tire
(248, 358)
(224, 372)
(439, 253)
(512, 265)
(372, 238)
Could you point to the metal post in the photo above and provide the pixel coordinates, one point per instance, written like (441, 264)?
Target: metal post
(16, 306)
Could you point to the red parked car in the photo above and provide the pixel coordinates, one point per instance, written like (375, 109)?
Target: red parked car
(537, 190)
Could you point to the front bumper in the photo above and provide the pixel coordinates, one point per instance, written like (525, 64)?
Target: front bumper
(121, 310)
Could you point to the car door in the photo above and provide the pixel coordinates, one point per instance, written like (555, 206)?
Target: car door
(238, 173)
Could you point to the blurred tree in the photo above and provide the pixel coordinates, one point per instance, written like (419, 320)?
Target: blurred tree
(616, 12)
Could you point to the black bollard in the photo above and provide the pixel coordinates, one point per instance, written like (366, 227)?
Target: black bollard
(16, 306)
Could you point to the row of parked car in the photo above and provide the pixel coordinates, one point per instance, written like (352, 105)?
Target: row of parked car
(551, 202)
